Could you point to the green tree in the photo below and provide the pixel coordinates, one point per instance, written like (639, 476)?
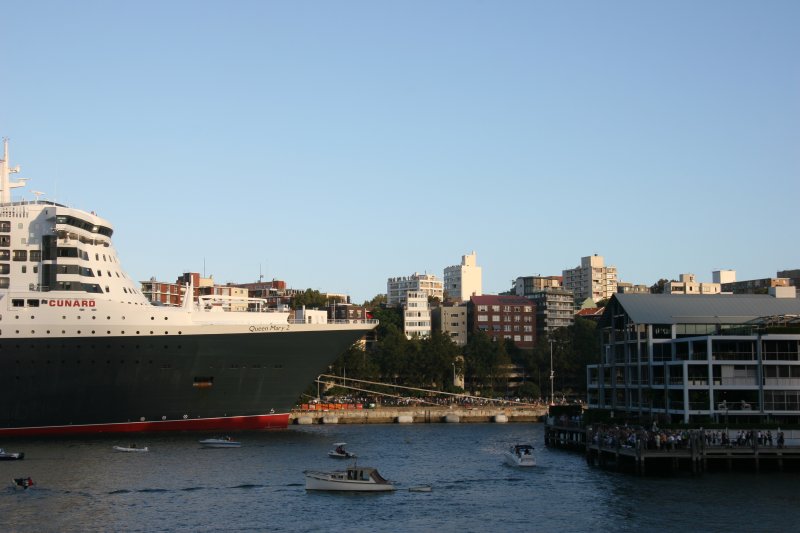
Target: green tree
(659, 286)
(310, 298)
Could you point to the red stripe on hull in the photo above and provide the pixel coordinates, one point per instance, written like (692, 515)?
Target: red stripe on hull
(233, 423)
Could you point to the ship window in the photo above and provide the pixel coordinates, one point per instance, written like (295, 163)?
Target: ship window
(20, 255)
(5, 226)
(36, 255)
(18, 302)
(24, 269)
(5, 268)
(5, 255)
(5, 240)
(100, 273)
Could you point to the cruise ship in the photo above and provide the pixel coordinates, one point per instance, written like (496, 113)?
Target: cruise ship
(83, 351)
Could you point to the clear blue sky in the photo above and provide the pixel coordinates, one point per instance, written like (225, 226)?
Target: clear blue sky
(336, 144)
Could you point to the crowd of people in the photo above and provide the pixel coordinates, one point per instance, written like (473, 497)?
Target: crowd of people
(673, 439)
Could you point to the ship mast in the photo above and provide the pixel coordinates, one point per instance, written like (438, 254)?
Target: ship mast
(5, 176)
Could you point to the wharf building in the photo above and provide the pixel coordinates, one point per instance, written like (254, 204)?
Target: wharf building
(398, 288)
(592, 279)
(465, 280)
(555, 305)
(726, 358)
(507, 317)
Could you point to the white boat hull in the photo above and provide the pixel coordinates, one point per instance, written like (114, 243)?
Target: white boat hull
(134, 450)
(337, 481)
(219, 443)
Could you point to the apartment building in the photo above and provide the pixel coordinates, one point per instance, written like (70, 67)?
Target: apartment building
(397, 288)
(592, 279)
(453, 321)
(508, 317)
(416, 315)
(464, 280)
(688, 284)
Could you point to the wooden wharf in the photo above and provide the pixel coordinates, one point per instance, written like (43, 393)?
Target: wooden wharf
(694, 455)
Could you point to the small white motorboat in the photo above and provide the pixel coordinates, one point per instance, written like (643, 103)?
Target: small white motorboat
(338, 451)
(353, 479)
(11, 456)
(220, 442)
(520, 455)
(131, 448)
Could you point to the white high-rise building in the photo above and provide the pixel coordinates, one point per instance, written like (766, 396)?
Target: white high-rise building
(591, 280)
(723, 276)
(463, 281)
(396, 288)
(416, 315)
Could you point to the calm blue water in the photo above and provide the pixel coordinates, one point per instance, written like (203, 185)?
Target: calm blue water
(83, 485)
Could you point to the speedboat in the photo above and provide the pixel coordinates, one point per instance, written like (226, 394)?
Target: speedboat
(353, 479)
(520, 455)
(23, 482)
(131, 448)
(10, 456)
(339, 452)
(220, 442)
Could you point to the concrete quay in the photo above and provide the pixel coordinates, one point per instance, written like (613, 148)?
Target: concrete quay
(427, 414)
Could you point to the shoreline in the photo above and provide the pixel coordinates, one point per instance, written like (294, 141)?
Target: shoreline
(420, 415)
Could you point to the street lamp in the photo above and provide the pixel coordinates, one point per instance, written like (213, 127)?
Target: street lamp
(552, 375)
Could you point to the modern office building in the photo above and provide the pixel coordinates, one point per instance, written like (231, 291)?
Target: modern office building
(464, 280)
(397, 288)
(592, 279)
(689, 359)
(508, 317)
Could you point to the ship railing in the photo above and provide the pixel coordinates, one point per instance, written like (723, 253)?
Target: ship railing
(370, 321)
(220, 302)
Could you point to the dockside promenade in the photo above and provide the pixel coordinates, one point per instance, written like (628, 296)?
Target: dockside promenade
(643, 451)
(421, 414)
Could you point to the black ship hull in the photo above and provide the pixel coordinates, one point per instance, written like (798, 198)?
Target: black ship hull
(124, 384)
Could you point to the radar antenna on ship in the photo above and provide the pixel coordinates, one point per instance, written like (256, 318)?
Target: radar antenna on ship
(5, 176)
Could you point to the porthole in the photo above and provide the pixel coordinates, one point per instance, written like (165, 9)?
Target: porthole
(166, 318)
(93, 317)
(92, 332)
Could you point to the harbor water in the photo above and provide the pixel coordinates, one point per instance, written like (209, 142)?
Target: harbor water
(82, 484)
